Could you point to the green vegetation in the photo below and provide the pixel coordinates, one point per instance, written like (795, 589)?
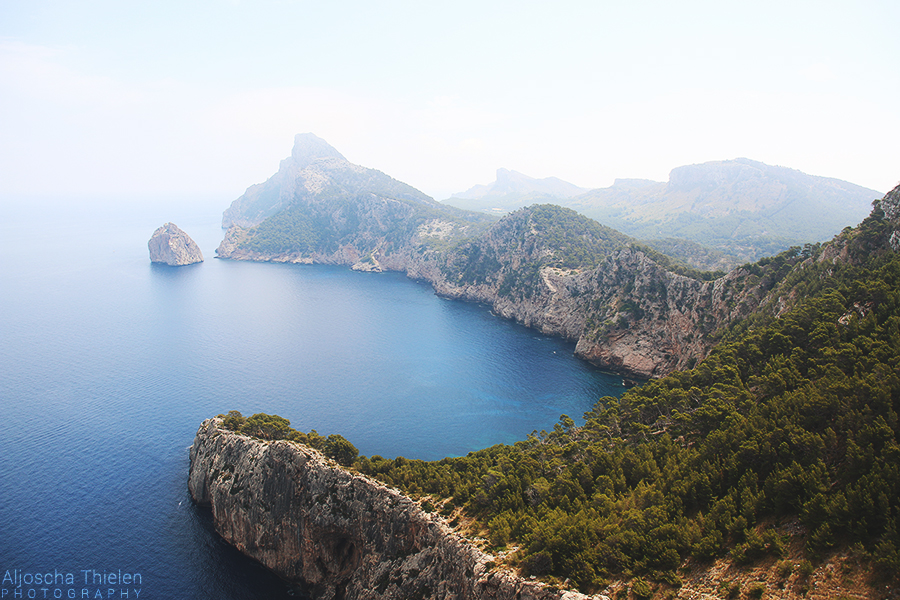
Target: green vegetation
(788, 418)
(575, 240)
(515, 250)
(292, 230)
(693, 254)
(743, 235)
(676, 265)
(273, 427)
(338, 217)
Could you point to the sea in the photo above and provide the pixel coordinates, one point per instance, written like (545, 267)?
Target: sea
(108, 365)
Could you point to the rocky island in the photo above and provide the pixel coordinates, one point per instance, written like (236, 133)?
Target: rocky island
(172, 246)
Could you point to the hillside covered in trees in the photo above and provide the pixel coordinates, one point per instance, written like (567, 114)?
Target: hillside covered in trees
(782, 445)
(629, 307)
(740, 210)
(789, 419)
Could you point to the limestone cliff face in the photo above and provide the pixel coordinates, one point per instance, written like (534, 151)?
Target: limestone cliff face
(172, 246)
(337, 534)
(626, 313)
(890, 204)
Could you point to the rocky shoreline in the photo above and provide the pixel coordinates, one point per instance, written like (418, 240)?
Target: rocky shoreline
(628, 315)
(339, 535)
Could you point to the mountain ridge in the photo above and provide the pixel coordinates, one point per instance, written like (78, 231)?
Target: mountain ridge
(744, 208)
(763, 457)
(313, 169)
(628, 308)
(517, 185)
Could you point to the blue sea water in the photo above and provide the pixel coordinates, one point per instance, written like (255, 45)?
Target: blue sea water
(108, 364)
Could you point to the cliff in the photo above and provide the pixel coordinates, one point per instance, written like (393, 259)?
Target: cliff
(172, 246)
(313, 171)
(568, 276)
(544, 266)
(628, 308)
(337, 534)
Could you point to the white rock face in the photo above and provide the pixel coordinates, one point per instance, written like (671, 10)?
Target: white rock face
(337, 534)
(172, 246)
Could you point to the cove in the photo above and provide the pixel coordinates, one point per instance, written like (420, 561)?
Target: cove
(108, 364)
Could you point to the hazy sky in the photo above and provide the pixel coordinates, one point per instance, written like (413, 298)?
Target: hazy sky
(174, 97)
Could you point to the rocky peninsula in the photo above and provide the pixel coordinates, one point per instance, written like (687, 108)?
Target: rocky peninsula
(338, 534)
(172, 246)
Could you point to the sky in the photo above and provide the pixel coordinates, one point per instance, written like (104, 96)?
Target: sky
(115, 98)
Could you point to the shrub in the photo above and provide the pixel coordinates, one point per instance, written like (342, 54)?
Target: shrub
(341, 450)
(785, 568)
(234, 421)
(540, 563)
(268, 427)
(806, 568)
(641, 589)
(756, 590)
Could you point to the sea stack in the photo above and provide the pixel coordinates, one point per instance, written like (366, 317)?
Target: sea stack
(172, 246)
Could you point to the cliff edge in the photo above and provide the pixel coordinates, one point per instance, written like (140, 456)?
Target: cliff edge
(336, 534)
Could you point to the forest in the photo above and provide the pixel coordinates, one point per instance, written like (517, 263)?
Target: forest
(786, 432)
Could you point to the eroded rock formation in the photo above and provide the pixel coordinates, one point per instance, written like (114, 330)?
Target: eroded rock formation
(337, 534)
(172, 246)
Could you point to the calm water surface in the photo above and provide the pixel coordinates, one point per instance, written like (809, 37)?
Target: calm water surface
(108, 364)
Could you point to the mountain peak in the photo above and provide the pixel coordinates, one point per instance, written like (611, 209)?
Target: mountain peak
(309, 148)
(512, 183)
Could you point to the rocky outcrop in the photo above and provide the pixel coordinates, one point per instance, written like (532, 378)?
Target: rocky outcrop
(172, 246)
(890, 204)
(336, 534)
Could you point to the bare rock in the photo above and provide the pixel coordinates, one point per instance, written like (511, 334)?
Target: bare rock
(338, 534)
(172, 246)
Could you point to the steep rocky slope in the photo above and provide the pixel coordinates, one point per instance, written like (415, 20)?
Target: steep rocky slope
(314, 170)
(730, 428)
(336, 534)
(628, 308)
(172, 246)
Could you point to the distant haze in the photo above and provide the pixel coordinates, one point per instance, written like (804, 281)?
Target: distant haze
(742, 207)
(204, 98)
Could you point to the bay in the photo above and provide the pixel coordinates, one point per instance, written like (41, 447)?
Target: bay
(108, 364)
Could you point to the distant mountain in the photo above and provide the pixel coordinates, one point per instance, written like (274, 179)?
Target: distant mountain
(314, 169)
(319, 207)
(743, 208)
(629, 308)
(513, 190)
